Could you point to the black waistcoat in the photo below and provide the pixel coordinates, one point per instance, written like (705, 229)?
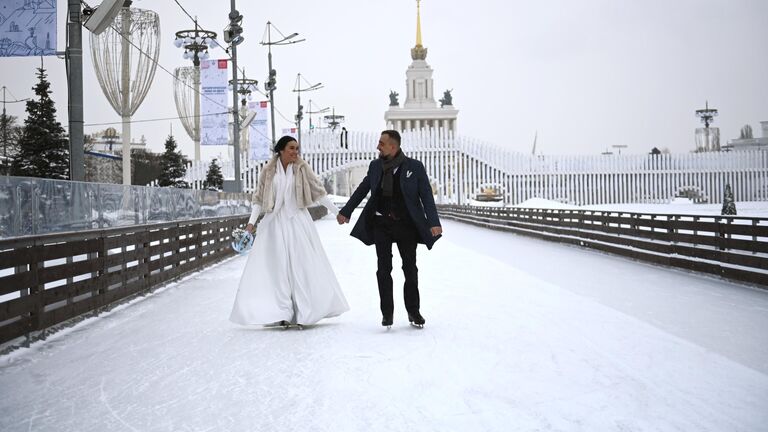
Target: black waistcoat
(393, 206)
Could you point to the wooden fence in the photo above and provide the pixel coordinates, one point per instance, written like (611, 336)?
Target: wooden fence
(48, 279)
(728, 246)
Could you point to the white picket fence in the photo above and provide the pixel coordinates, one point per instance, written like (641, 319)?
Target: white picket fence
(460, 168)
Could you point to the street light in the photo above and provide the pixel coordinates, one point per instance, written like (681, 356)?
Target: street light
(619, 147)
(310, 112)
(245, 88)
(196, 44)
(334, 119)
(232, 35)
(298, 89)
(271, 83)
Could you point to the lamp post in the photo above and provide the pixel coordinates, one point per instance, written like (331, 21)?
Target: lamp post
(245, 88)
(271, 83)
(75, 79)
(299, 113)
(233, 36)
(707, 115)
(196, 43)
(310, 112)
(619, 147)
(333, 120)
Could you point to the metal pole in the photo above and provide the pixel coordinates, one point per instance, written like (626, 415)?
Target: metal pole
(298, 115)
(271, 91)
(233, 14)
(5, 133)
(75, 57)
(196, 132)
(125, 83)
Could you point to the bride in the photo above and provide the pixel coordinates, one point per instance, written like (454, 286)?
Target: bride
(287, 278)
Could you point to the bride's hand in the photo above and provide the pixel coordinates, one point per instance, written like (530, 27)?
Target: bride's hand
(249, 228)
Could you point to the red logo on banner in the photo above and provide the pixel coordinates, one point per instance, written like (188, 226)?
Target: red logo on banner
(293, 130)
(222, 64)
(263, 104)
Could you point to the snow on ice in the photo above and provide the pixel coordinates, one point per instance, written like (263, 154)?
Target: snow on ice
(521, 335)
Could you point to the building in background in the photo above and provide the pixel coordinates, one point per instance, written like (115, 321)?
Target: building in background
(420, 111)
(747, 142)
(109, 141)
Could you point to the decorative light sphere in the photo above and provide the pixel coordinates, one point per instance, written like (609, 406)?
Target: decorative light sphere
(198, 40)
(187, 40)
(178, 42)
(186, 55)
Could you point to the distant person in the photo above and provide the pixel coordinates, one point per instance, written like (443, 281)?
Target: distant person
(343, 138)
(287, 278)
(401, 210)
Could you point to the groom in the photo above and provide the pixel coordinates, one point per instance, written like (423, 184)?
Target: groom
(401, 210)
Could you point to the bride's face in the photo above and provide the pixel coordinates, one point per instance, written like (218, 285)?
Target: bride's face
(290, 153)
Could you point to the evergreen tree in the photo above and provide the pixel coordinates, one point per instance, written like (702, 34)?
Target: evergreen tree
(172, 164)
(9, 141)
(146, 166)
(43, 145)
(746, 132)
(729, 206)
(214, 179)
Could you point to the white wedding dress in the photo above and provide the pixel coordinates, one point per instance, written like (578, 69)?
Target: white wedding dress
(287, 276)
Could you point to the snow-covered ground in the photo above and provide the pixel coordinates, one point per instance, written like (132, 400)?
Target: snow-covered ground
(521, 335)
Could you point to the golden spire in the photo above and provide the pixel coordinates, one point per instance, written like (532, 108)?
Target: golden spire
(418, 23)
(418, 52)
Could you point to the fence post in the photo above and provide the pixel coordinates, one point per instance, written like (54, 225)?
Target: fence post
(101, 287)
(36, 289)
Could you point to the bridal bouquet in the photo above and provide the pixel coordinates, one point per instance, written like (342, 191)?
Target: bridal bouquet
(242, 241)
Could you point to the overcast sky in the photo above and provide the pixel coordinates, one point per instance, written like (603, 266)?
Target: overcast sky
(585, 74)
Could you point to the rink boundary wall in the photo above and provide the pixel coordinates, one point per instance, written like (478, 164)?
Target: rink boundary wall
(53, 282)
(57, 279)
(731, 247)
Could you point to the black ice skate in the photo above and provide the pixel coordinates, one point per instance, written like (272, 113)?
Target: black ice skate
(386, 321)
(416, 319)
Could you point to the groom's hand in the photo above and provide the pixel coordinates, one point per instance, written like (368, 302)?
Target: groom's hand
(436, 231)
(341, 219)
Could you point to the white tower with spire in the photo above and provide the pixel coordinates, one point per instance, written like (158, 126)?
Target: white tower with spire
(420, 111)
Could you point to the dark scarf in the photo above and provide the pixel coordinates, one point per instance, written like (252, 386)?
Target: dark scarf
(389, 171)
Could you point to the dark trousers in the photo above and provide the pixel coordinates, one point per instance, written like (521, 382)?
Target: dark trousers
(402, 232)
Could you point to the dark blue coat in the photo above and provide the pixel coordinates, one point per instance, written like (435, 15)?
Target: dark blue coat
(417, 193)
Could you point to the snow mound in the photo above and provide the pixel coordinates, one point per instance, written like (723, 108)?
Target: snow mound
(544, 204)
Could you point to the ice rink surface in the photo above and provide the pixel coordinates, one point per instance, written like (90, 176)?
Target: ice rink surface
(521, 335)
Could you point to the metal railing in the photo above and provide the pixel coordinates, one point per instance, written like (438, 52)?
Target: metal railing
(31, 206)
(731, 247)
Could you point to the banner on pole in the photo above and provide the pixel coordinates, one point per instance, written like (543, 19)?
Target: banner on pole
(291, 132)
(213, 103)
(261, 145)
(27, 28)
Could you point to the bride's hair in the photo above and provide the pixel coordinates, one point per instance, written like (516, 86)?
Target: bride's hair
(282, 142)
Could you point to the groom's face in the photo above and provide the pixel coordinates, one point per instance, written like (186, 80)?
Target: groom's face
(387, 147)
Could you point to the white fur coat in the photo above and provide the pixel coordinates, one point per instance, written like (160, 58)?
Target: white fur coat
(309, 189)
